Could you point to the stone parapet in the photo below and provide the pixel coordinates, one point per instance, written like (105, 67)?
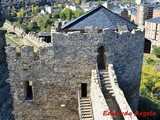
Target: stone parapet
(99, 105)
(119, 95)
(21, 32)
(27, 53)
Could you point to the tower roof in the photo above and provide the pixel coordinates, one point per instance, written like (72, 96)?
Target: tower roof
(100, 17)
(154, 20)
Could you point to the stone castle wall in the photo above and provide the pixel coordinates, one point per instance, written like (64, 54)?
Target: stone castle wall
(58, 71)
(6, 107)
(124, 50)
(48, 95)
(21, 32)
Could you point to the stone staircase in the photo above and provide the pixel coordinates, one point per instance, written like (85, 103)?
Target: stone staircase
(86, 109)
(108, 93)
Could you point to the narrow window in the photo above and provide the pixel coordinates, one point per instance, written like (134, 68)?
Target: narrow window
(84, 89)
(29, 91)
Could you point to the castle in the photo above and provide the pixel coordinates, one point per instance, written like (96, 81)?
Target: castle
(83, 72)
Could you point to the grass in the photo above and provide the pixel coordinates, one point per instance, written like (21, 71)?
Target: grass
(152, 56)
(1, 28)
(9, 41)
(147, 104)
(20, 41)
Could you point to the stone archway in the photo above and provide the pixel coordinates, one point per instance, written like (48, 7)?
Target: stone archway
(101, 58)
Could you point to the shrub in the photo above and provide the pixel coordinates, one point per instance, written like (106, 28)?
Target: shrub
(150, 61)
(156, 51)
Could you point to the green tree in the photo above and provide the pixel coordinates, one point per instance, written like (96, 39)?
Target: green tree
(62, 15)
(78, 13)
(68, 13)
(56, 14)
(32, 26)
(156, 51)
(150, 82)
(35, 9)
(77, 1)
(20, 13)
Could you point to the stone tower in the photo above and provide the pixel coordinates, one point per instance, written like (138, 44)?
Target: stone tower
(5, 96)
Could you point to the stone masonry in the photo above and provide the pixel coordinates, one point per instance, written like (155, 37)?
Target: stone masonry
(124, 50)
(6, 107)
(57, 71)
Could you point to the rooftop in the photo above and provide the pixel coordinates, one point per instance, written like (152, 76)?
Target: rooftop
(134, 12)
(154, 20)
(100, 17)
(157, 8)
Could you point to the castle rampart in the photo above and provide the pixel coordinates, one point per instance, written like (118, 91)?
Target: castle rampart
(56, 72)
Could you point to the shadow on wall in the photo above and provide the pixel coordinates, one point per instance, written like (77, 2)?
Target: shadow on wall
(146, 105)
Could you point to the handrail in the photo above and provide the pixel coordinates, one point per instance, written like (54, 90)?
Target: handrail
(79, 106)
(98, 76)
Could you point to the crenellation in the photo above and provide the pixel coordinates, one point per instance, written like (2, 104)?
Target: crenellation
(91, 30)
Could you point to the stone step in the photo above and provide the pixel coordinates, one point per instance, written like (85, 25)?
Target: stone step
(105, 82)
(109, 96)
(85, 103)
(104, 73)
(86, 110)
(84, 99)
(106, 85)
(86, 116)
(86, 113)
(108, 88)
(108, 91)
(104, 79)
(104, 76)
(85, 107)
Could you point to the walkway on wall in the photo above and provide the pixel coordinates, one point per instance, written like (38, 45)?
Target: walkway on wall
(107, 96)
(108, 93)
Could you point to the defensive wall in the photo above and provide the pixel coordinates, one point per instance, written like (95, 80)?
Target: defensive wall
(21, 33)
(57, 71)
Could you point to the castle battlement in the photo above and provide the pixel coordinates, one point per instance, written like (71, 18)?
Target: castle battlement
(27, 53)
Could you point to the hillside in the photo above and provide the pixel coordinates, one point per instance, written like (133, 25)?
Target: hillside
(150, 86)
